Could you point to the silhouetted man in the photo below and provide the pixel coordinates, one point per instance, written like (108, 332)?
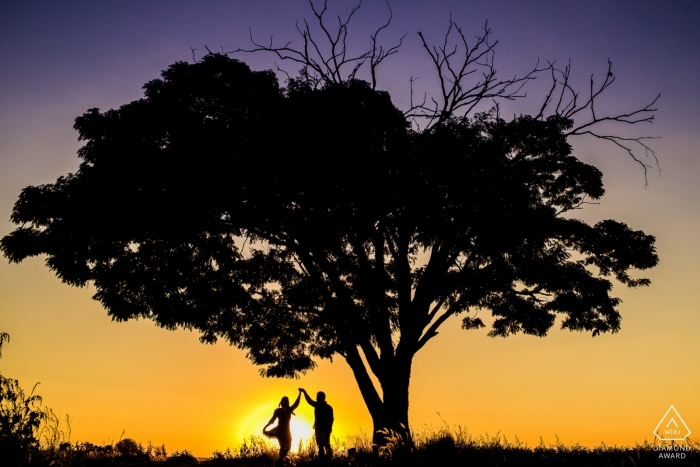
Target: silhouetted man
(323, 422)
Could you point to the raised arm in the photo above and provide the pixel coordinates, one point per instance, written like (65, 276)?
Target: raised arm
(296, 402)
(309, 400)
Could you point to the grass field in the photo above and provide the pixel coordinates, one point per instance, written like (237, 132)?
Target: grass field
(442, 447)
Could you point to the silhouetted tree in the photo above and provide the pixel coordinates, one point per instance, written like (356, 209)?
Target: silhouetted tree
(317, 219)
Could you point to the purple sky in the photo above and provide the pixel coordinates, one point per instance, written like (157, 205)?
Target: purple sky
(61, 58)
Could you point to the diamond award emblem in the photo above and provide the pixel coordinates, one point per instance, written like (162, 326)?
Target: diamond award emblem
(672, 427)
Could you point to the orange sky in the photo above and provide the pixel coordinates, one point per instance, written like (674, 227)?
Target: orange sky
(166, 387)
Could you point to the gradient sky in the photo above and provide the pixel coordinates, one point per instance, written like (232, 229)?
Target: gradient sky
(58, 59)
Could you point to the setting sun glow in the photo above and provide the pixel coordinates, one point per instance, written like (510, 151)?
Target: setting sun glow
(301, 431)
(301, 425)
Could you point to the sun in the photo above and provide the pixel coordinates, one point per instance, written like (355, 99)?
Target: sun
(301, 430)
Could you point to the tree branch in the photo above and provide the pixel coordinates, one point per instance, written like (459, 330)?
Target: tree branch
(568, 107)
(369, 392)
(432, 330)
(380, 320)
(329, 65)
(467, 76)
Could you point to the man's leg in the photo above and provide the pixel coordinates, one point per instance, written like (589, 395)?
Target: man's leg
(323, 441)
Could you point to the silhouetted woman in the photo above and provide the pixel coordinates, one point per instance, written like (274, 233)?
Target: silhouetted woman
(283, 414)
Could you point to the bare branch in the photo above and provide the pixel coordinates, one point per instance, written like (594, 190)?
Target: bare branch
(586, 121)
(548, 97)
(327, 56)
(625, 143)
(282, 71)
(575, 206)
(379, 54)
(467, 76)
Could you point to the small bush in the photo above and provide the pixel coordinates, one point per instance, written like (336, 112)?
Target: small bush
(129, 450)
(20, 418)
(182, 458)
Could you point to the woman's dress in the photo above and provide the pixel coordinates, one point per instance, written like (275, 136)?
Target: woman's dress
(282, 431)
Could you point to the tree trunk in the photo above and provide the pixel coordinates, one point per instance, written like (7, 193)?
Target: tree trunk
(390, 412)
(391, 424)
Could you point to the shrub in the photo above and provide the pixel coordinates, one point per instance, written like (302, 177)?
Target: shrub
(182, 458)
(128, 449)
(20, 418)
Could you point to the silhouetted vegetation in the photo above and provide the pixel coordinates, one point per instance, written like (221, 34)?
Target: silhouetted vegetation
(316, 219)
(4, 337)
(35, 437)
(442, 447)
(20, 417)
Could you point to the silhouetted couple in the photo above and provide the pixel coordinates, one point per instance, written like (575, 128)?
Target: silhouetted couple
(323, 424)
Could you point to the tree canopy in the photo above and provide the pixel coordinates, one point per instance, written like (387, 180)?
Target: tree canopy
(313, 219)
